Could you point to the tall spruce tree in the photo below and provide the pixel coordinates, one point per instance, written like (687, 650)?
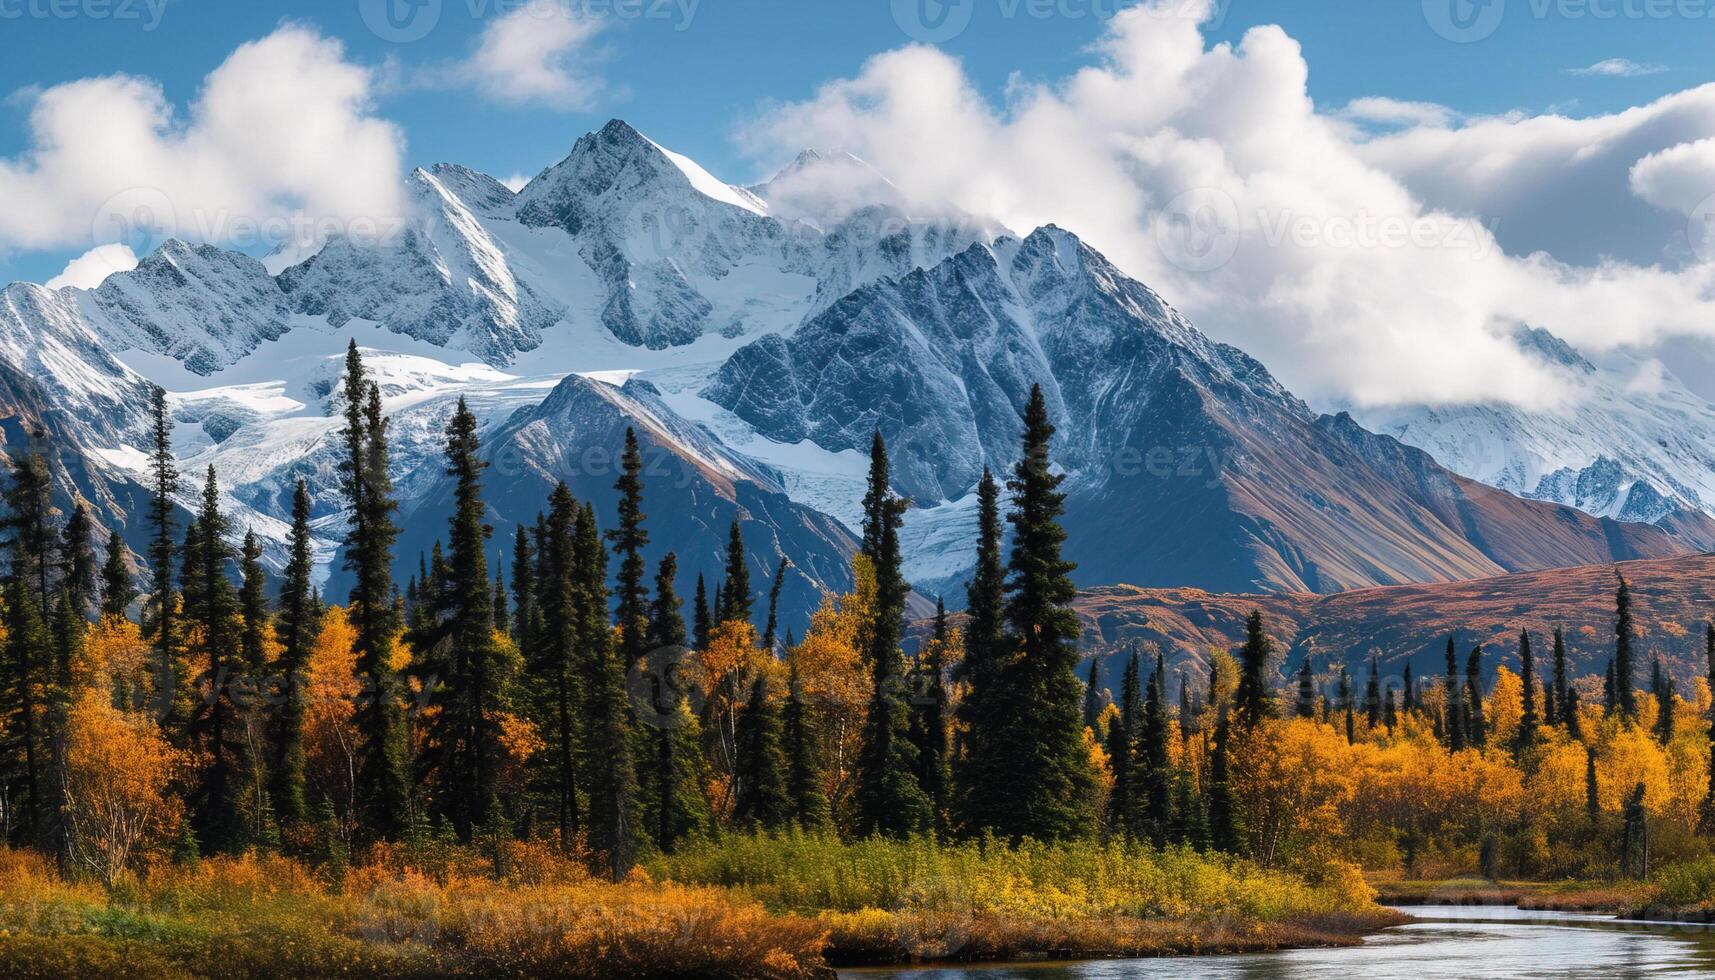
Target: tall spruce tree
(211, 614)
(628, 540)
(29, 647)
(762, 801)
(1048, 768)
(1527, 675)
(160, 616)
(1476, 728)
(1306, 706)
(1226, 833)
(118, 589)
(1254, 699)
(1625, 693)
(523, 591)
(614, 822)
(929, 720)
(296, 629)
(888, 799)
(736, 598)
(1562, 686)
(1122, 749)
(978, 787)
(1661, 686)
(770, 632)
(1093, 693)
(1455, 702)
(382, 798)
(809, 804)
(1408, 693)
(1373, 696)
(674, 802)
(702, 617)
(77, 561)
(553, 665)
(1151, 778)
(1347, 705)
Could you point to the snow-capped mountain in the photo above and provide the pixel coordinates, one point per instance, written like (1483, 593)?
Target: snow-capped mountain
(1629, 441)
(754, 337)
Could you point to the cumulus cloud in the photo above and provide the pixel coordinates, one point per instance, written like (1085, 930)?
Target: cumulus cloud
(1618, 68)
(281, 137)
(536, 54)
(88, 270)
(516, 182)
(1363, 268)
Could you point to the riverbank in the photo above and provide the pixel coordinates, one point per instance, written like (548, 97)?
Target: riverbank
(1557, 896)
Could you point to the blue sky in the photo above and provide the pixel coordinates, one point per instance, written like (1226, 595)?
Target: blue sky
(689, 81)
(1398, 184)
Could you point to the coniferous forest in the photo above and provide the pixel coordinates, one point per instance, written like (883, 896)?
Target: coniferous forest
(555, 763)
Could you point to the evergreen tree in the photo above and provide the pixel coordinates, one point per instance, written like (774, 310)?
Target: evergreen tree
(1706, 816)
(1347, 708)
(1306, 707)
(809, 806)
(298, 624)
(261, 814)
(1527, 674)
(523, 592)
(1476, 729)
(735, 595)
(1455, 706)
(1093, 694)
(979, 787)
(1610, 701)
(211, 614)
(1226, 832)
(674, 802)
(117, 588)
(502, 618)
(1047, 769)
(628, 540)
(1122, 744)
(1151, 778)
(611, 769)
(552, 664)
(1254, 699)
(252, 607)
(1409, 690)
(1625, 696)
(1592, 801)
(770, 632)
(702, 618)
(29, 647)
(381, 791)
(1569, 713)
(1661, 685)
(1390, 711)
(1562, 689)
(1373, 696)
(77, 561)
(762, 801)
(929, 721)
(888, 799)
(160, 614)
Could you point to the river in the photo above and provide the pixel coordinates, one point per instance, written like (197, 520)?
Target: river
(1445, 942)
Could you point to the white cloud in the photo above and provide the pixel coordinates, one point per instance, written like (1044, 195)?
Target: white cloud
(1618, 68)
(516, 182)
(281, 136)
(88, 270)
(1377, 109)
(1362, 268)
(537, 55)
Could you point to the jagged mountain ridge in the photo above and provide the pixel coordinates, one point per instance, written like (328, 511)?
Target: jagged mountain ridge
(738, 323)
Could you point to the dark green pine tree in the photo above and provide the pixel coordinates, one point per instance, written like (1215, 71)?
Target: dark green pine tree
(1045, 765)
(1609, 704)
(1226, 825)
(118, 588)
(1625, 694)
(1569, 714)
(1254, 699)
(382, 797)
(1373, 696)
(1408, 693)
(1455, 706)
(1390, 710)
(929, 721)
(1122, 748)
(523, 592)
(1306, 706)
(1093, 694)
(1661, 686)
(1592, 800)
(803, 776)
(770, 632)
(1706, 816)
(1151, 777)
(888, 799)
(1527, 675)
(211, 615)
(77, 561)
(260, 812)
(736, 598)
(171, 698)
(1347, 706)
(1476, 729)
(702, 618)
(30, 650)
(297, 625)
(761, 801)
(502, 617)
(552, 664)
(1562, 686)
(252, 607)
(611, 768)
(674, 802)
(978, 787)
(628, 540)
